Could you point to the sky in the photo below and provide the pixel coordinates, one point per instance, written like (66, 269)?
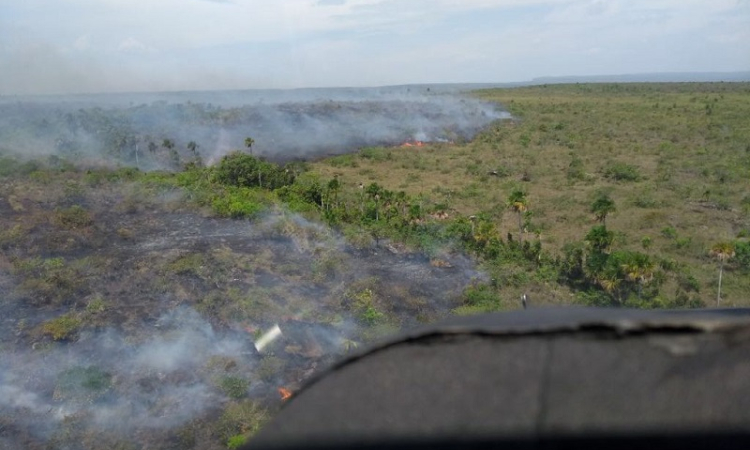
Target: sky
(89, 46)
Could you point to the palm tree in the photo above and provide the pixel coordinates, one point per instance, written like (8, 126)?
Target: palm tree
(602, 206)
(169, 145)
(722, 251)
(334, 186)
(373, 191)
(135, 141)
(600, 239)
(249, 143)
(640, 269)
(610, 282)
(517, 202)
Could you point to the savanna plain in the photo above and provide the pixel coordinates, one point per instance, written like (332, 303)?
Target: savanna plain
(130, 298)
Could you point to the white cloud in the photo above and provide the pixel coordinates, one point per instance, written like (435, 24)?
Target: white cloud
(132, 45)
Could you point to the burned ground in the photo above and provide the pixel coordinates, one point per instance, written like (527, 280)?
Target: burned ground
(129, 316)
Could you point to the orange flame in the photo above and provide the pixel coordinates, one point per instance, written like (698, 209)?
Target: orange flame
(285, 393)
(413, 144)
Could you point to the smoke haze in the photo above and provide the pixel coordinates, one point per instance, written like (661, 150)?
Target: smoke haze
(131, 129)
(165, 304)
(172, 363)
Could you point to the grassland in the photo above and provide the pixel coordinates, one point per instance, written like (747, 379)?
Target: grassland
(376, 237)
(675, 158)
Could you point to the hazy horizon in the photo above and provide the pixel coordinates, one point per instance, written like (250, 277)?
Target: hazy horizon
(112, 46)
(667, 77)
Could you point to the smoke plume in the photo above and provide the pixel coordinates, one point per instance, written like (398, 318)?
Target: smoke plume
(132, 129)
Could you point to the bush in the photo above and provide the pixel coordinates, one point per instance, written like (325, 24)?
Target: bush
(688, 283)
(236, 441)
(683, 242)
(73, 218)
(83, 384)
(8, 166)
(619, 171)
(241, 419)
(593, 297)
(270, 367)
(189, 264)
(375, 154)
(742, 254)
(343, 161)
(11, 236)
(236, 204)
(576, 169)
(62, 328)
(481, 296)
(645, 201)
(234, 387)
(49, 281)
(366, 308)
(669, 233)
(28, 167)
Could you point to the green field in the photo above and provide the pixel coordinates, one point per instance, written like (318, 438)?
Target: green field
(674, 158)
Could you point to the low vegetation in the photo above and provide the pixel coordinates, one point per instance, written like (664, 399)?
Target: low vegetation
(526, 195)
(619, 195)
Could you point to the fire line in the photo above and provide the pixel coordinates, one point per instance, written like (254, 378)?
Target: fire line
(285, 393)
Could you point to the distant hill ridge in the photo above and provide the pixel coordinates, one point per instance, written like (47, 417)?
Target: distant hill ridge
(648, 78)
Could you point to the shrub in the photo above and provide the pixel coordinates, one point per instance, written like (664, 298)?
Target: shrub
(241, 419)
(10, 236)
(62, 328)
(669, 233)
(73, 218)
(83, 384)
(269, 367)
(742, 254)
(28, 167)
(343, 161)
(688, 283)
(645, 201)
(593, 297)
(619, 171)
(8, 166)
(375, 154)
(576, 170)
(96, 305)
(481, 296)
(234, 387)
(190, 264)
(745, 203)
(365, 307)
(49, 281)
(236, 204)
(236, 441)
(683, 242)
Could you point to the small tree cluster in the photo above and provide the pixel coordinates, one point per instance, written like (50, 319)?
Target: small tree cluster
(243, 170)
